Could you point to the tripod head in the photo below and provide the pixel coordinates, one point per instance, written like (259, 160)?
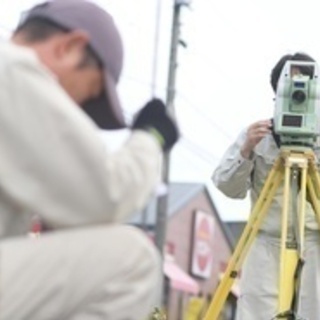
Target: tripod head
(297, 104)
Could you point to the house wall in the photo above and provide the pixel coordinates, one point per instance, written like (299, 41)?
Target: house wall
(179, 235)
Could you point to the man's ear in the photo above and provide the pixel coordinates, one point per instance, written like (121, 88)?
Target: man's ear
(72, 43)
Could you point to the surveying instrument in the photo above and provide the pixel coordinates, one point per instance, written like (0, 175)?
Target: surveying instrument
(296, 125)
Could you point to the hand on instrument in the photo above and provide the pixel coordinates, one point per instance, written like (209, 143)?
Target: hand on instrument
(255, 133)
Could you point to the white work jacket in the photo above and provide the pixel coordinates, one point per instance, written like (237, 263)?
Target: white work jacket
(53, 162)
(235, 176)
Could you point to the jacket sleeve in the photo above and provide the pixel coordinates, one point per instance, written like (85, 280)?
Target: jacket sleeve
(232, 175)
(53, 162)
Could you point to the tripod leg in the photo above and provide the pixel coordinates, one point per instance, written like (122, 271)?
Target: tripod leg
(302, 209)
(300, 236)
(288, 255)
(313, 185)
(260, 208)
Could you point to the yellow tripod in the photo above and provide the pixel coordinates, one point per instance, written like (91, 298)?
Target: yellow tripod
(293, 167)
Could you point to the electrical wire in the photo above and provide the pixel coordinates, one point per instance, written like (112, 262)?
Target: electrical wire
(195, 148)
(188, 102)
(200, 152)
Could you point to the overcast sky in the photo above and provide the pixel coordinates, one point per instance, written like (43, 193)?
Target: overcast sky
(222, 76)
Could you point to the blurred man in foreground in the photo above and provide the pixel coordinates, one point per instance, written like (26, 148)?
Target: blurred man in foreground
(63, 55)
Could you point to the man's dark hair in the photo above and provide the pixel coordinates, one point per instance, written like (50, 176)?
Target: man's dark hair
(40, 29)
(299, 56)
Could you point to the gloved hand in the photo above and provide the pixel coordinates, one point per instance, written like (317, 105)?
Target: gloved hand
(154, 119)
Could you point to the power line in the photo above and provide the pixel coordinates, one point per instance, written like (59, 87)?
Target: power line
(195, 164)
(199, 151)
(204, 115)
(188, 102)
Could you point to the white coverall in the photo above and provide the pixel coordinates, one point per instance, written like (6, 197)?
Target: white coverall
(235, 176)
(54, 164)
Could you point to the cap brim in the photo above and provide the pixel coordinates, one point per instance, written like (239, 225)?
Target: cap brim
(106, 110)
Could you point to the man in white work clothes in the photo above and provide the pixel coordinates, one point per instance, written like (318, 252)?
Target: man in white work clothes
(243, 168)
(58, 77)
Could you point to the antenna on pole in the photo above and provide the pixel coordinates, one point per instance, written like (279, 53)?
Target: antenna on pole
(156, 48)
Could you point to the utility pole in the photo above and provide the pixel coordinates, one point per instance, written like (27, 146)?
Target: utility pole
(162, 202)
(156, 46)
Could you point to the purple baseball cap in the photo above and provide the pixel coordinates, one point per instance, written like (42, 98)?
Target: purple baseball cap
(104, 40)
